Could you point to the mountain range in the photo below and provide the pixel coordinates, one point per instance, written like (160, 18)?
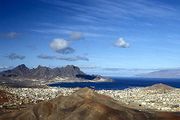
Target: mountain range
(42, 72)
(168, 73)
(22, 75)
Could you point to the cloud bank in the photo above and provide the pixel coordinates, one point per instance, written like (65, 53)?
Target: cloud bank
(14, 56)
(9, 35)
(73, 58)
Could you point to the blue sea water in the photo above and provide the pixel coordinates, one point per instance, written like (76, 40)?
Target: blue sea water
(121, 83)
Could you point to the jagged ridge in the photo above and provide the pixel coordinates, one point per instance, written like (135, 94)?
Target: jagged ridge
(42, 72)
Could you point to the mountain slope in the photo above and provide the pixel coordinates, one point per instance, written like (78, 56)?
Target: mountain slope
(20, 70)
(171, 73)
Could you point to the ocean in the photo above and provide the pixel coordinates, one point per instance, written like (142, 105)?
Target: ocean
(121, 83)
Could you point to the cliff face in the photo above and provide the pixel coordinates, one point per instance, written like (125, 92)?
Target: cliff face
(85, 104)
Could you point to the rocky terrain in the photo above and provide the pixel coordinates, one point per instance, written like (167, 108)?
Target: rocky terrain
(22, 76)
(86, 104)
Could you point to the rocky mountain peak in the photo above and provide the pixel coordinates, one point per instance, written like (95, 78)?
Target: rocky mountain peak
(42, 67)
(72, 67)
(21, 67)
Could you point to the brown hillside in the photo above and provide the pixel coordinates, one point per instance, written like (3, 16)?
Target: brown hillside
(85, 104)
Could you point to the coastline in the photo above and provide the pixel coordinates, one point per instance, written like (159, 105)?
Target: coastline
(24, 82)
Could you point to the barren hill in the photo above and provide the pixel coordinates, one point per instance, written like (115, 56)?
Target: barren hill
(85, 104)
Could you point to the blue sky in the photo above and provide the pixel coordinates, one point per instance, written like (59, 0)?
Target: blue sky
(109, 37)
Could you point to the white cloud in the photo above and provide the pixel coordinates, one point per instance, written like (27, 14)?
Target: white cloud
(121, 43)
(76, 35)
(59, 44)
(62, 46)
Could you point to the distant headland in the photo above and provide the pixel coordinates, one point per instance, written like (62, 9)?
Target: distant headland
(42, 75)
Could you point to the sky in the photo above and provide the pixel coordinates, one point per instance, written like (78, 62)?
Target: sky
(108, 37)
